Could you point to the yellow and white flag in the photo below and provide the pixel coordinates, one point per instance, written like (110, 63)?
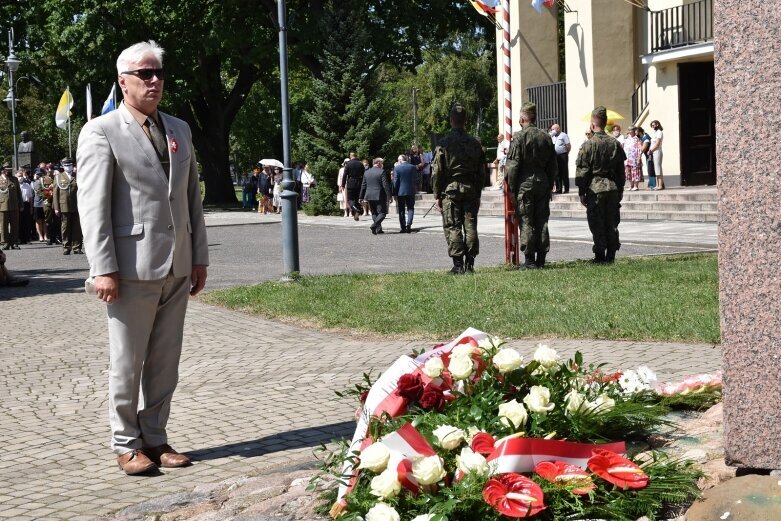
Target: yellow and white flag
(64, 109)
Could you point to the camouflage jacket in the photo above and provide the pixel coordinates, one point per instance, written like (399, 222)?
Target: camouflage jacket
(531, 154)
(600, 165)
(459, 160)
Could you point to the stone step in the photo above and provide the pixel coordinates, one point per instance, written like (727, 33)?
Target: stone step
(698, 204)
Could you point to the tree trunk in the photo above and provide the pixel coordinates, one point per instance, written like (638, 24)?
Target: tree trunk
(213, 152)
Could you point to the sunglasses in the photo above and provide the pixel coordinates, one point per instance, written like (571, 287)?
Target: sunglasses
(147, 74)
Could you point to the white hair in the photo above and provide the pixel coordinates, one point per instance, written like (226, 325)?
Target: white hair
(402, 159)
(378, 160)
(135, 53)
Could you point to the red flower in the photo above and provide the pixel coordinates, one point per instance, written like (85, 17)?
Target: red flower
(483, 443)
(562, 473)
(410, 387)
(364, 395)
(433, 397)
(617, 470)
(514, 495)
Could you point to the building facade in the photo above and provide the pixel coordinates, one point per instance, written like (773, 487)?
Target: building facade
(650, 63)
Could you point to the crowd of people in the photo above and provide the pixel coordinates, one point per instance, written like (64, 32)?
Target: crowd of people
(262, 190)
(39, 205)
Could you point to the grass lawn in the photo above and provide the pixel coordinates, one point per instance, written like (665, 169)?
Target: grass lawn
(664, 298)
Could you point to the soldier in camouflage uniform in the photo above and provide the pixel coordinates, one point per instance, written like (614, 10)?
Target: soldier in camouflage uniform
(458, 175)
(66, 207)
(531, 170)
(10, 202)
(600, 179)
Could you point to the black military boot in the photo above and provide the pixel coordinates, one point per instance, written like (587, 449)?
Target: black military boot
(610, 256)
(528, 263)
(458, 266)
(599, 257)
(469, 266)
(540, 260)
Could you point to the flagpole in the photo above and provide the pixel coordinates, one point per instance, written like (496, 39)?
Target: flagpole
(70, 153)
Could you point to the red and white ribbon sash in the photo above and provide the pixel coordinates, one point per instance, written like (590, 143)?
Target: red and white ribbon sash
(521, 455)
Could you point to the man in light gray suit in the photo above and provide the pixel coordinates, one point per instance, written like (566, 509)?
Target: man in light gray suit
(145, 237)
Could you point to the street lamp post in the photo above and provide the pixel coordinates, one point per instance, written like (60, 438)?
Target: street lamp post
(12, 62)
(289, 196)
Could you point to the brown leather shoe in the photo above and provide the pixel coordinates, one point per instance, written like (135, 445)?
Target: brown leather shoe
(135, 462)
(166, 456)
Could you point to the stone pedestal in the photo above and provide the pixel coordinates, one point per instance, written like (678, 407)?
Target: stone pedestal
(748, 79)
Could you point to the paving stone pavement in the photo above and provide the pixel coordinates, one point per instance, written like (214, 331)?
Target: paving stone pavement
(253, 394)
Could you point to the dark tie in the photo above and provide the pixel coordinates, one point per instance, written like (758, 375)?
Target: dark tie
(159, 142)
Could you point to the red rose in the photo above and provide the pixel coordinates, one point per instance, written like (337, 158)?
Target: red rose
(410, 387)
(364, 395)
(433, 397)
(483, 443)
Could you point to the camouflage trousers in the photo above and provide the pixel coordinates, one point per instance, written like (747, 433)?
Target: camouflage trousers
(603, 213)
(532, 206)
(459, 220)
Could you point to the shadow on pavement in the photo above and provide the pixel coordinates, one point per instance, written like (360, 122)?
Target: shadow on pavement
(295, 439)
(48, 282)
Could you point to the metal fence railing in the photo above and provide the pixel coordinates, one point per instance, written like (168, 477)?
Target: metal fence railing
(640, 99)
(551, 101)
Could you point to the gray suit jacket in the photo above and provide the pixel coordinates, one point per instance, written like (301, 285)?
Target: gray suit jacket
(375, 185)
(135, 220)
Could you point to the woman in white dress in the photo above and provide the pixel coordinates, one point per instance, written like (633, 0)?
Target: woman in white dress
(341, 196)
(307, 182)
(656, 152)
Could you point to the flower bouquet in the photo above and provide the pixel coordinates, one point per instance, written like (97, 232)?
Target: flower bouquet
(471, 431)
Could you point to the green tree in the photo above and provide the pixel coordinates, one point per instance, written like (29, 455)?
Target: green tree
(216, 51)
(345, 114)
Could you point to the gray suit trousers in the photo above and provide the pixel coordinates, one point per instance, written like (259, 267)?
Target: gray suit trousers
(145, 327)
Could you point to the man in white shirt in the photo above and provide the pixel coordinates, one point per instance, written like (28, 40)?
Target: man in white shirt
(562, 145)
(501, 158)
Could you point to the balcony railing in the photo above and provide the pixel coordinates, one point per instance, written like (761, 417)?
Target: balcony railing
(680, 26)
(640, 99)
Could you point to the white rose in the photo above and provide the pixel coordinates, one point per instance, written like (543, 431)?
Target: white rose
(488, 341)
(602, 404)
(513, 414)
(428, 470)
(382, 512)
(507, 360)
(575, 401)
(374, 457)
(433, 367)
(470, 461)
(538, 400)
(386, 485)
(461, 367)
(448, 437)
(546, 356)
(462, 350)
(423, 517)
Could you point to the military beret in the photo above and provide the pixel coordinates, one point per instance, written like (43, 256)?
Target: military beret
(600, 113)
(529, 108)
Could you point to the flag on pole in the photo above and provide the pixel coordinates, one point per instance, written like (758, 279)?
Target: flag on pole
(89, 102)
(537, 4)
(63, 113)
(109, 104)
